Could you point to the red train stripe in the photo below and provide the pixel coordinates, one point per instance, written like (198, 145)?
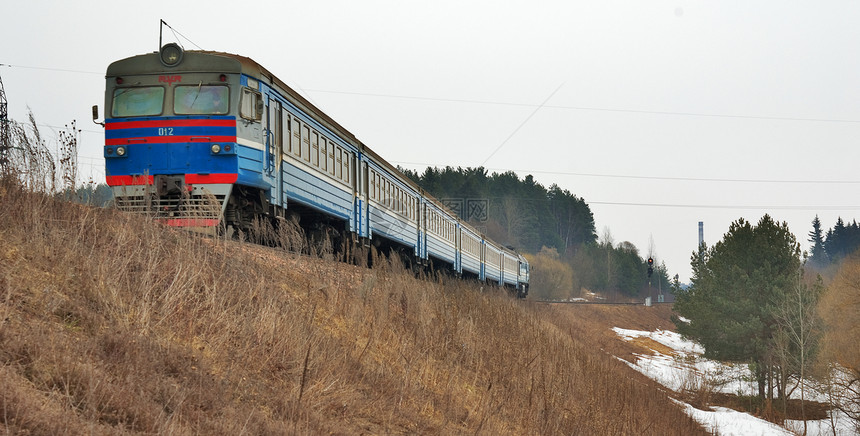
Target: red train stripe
(117, 125)
(197, 179)
(169, 139)
(128, 180)
(190, 179)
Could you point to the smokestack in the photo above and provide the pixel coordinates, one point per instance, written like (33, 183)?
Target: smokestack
(701, 233)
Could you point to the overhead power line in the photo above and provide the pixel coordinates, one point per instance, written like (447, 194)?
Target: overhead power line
(501, 103)
(591, 108)
(625, 176)
(724, 206)
(521, 125)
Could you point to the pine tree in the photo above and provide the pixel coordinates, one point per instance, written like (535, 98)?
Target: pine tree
(818, 255)
(735, 286)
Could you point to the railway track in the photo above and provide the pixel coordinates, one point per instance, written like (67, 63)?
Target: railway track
(605, 303)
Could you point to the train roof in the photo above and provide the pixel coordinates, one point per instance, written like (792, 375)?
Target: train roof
(253, 68)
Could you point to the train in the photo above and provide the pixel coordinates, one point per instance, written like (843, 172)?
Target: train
(211, 140)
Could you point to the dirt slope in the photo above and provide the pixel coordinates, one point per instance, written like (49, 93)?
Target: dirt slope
(114, 325)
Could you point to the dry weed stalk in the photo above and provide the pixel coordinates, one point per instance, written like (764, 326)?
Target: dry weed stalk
(116, 324)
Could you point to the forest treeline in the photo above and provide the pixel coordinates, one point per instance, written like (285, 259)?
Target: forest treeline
(831, 246)
(555, 226)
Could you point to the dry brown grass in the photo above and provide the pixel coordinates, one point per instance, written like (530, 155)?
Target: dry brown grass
(114, 324)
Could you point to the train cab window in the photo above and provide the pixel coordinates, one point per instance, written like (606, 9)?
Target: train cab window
(251, 106)
(201, 100)
(137, 102)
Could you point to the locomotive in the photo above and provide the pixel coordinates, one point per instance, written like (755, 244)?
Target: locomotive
(210, 140)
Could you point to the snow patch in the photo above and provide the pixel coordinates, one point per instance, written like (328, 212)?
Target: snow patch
(686, 369)
(728, 422)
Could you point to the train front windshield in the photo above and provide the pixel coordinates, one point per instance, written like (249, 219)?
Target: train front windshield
(137, 102)
(147, 101)
(201, 100)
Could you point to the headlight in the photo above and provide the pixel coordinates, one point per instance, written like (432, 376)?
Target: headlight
(171, 54)
(120, 151)
(216, 148)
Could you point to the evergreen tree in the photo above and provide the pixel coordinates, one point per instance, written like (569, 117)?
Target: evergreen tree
(736, 286)
(836, 241)
(817, 256)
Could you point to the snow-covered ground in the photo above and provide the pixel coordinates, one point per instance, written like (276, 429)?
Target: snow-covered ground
(685, 369)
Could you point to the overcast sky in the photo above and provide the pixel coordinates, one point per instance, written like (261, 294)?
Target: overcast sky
(660, 114)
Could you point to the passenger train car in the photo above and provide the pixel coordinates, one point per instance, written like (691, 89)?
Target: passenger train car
(211, 140)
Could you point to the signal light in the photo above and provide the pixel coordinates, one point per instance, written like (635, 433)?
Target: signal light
(223, 78)
(119, 80)
(650, 261)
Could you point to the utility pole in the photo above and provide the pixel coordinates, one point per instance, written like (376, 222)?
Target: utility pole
(5, 140)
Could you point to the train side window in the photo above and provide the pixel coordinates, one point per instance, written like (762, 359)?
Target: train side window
(378, 188)
(323, 153)
(349, 167)
(315, 149)
(274, 107)
(296, 142)
(339, 172)
(306, 142)
(388, 199)
(251, 107)
(344, 162)
(395, 202)
(285, 119)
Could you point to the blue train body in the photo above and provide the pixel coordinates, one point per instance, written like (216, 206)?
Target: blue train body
(212, 140)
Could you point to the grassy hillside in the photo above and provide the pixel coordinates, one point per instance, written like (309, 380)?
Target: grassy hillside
(112, 324)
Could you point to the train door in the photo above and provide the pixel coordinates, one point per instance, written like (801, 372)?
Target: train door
(458, 248)
(419, 223)
(362, 184)
(424, 225)
(273, 124)
(483, 271)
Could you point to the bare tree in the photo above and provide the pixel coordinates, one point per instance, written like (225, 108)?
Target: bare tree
(796, 339)
(840, 311)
